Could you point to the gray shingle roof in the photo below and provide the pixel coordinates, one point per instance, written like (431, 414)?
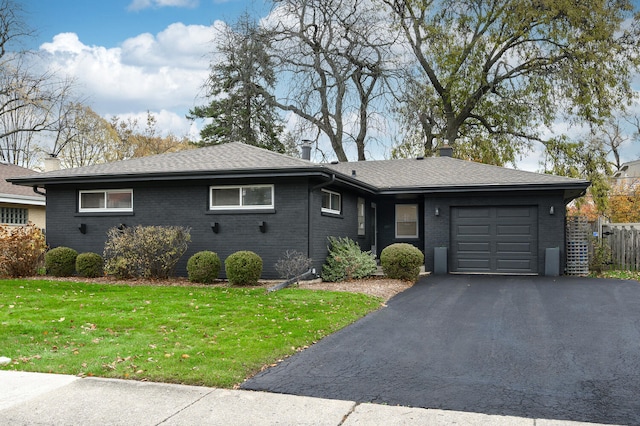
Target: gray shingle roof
(238, 158)
(227, 157)
(7, 189)
(443, 172)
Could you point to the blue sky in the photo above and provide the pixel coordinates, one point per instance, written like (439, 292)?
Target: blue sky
(109, 22)
(133, 56)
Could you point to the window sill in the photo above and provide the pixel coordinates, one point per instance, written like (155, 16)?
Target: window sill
(98, 214)
(241, 211)
(335, 215)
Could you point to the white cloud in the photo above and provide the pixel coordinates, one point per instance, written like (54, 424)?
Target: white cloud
(146, 4)
(162, 73)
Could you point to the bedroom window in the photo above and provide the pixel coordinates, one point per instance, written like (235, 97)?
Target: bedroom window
(406, 221)
(14, 216)
(111, 200)
(330, 202)
(241, 197)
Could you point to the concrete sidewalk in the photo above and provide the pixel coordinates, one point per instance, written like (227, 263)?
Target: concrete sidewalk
(50, 399)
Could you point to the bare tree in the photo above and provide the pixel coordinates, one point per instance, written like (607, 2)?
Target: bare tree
(31, 102)
(332, 54)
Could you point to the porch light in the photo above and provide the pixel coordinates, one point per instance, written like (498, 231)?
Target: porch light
(552, 210)
(83, 228)
(437, 212)
(263, 226)
(215, 227)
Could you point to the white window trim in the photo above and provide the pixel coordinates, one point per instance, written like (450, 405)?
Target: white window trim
(241, 207)
(417, 222)
(329, 210)
(105, 208)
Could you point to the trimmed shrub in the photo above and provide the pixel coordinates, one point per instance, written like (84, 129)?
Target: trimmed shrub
(292, 264)
(243, 268)
(89, 265)
(347, 261)
(60, 261)
(145, 251)
(22, 250)
(204, 267)
(401, 261)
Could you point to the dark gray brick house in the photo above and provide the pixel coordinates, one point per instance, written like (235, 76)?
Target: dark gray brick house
(239, 197)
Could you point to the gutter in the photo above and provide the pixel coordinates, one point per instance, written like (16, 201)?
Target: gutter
(37, 191)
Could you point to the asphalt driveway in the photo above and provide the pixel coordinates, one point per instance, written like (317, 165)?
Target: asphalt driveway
(557, 348)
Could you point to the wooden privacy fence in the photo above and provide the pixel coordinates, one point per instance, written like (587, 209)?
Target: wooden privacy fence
(624, 241)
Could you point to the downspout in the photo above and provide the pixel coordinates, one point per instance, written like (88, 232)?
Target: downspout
(35, 189)
(311, 190)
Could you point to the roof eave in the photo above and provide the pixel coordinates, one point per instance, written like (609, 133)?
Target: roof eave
(483, 188)
(166, 176)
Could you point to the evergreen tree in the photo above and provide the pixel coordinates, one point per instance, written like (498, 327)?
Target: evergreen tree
(240, 108)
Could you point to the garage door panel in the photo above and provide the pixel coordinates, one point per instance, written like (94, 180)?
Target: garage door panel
(512, 212)
(520, 230)
(482, 230)
(506, 248)
(501, 239)
(474, 265)
(522, 266)
(481, 247)
(476, 212)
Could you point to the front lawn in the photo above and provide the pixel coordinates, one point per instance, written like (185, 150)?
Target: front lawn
(211, 336)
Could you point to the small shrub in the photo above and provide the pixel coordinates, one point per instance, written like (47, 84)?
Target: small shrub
(22, 250)
(89, 265)
(145, 251)
(346, 261)
(292, 264)
(243, 268)
(401, 261)
(60, 261)
(204, 267)
(600, 257)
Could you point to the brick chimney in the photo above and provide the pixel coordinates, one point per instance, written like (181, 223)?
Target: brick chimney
(51, 163)
(446, 150)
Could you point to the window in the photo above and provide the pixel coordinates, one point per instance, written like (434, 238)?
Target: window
(14, 216)
(241, 197)
(112, 200)
(361, 216)
(406, 221)
(330, 202)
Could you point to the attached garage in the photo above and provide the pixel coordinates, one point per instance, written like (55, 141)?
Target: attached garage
(494, 240)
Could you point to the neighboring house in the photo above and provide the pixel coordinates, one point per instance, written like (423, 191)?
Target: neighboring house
(628, 175)
(19, 205)
(239, 197)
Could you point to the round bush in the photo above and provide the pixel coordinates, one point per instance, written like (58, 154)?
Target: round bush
(89, 265)
(401, 261)
(204, 267)
(60, 261)
(243, 268)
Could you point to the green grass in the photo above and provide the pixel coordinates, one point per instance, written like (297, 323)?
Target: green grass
(622, 275)
(194, 335)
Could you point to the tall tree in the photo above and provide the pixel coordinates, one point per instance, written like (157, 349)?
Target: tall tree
(238, 88)
(132, 141)
(333, 54)
(491, 74)
(29, 100)
(85, 138)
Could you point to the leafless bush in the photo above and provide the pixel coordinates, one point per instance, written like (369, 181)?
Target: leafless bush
(292, 264)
